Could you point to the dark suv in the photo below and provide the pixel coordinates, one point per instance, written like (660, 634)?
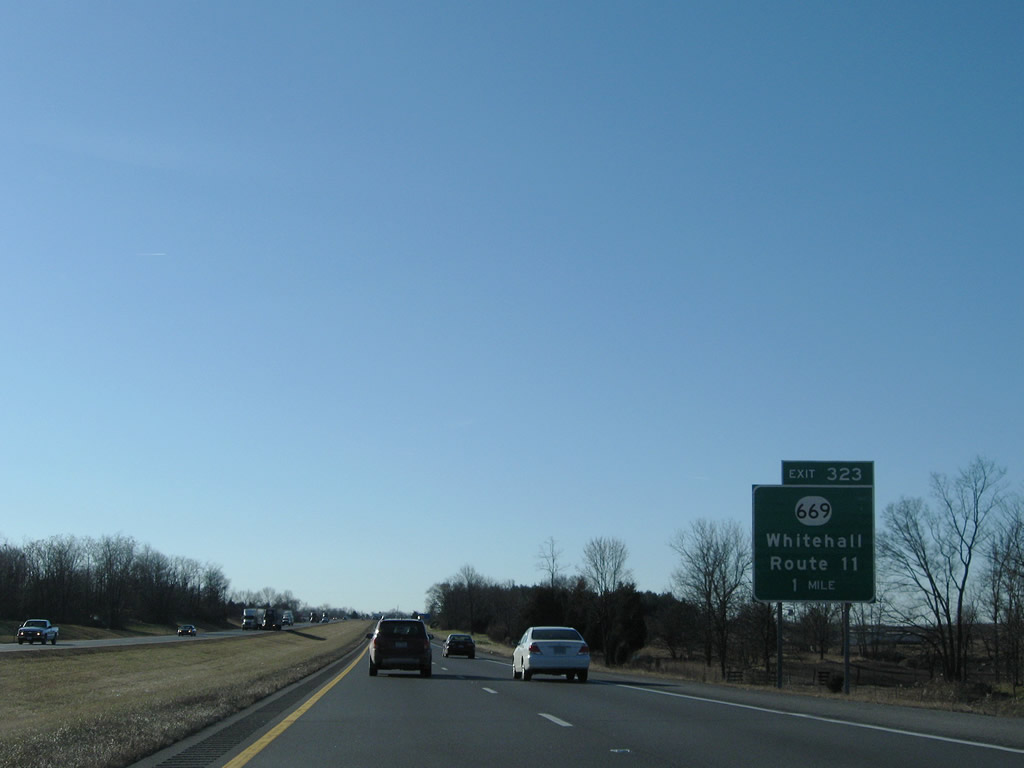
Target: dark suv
(400, 644)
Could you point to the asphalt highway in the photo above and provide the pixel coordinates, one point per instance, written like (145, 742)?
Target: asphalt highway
(471, 712)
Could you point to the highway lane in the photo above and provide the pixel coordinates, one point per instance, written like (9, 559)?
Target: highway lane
(472, 712)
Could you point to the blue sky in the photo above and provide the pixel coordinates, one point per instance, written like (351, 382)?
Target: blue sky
(345, 296)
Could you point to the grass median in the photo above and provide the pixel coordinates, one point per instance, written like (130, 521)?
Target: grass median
(108, 707)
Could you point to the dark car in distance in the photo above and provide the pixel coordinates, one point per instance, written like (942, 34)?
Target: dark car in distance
(186, 629)
(400, 644)
(459, 645)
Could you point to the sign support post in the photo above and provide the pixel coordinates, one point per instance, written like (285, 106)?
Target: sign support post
(778, 647)
(846, 648)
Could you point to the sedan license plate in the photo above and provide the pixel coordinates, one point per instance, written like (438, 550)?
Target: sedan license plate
(559, 650)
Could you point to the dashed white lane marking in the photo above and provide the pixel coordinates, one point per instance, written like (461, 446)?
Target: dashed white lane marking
(555, 720)
(490, 690)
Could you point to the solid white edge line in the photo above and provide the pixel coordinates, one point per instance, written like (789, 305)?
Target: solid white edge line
(834, 721)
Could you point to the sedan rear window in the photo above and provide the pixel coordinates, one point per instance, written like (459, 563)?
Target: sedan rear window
(556, 634)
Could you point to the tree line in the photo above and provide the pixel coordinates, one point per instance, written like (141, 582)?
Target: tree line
(949, 583)
(112, 580)
(106, 581)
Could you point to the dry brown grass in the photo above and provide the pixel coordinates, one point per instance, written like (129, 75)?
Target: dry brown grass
(890, 684)
(873, 681)
(100, 708)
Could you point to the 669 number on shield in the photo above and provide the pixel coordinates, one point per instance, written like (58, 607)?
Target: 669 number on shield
(813, 510)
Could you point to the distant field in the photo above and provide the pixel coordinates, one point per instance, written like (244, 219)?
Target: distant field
(85, 708)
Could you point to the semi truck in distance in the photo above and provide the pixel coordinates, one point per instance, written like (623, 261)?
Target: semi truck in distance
(252, 618)
(271, 619)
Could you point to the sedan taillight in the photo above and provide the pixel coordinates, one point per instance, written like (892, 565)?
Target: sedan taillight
(534, 648)
(583, 651)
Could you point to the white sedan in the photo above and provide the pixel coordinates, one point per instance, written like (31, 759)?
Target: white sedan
(551, 651)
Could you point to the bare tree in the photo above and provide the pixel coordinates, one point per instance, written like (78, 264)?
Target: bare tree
(604, 565)
(756, 631)
(269, 597)
(114, 560)
(819, 623)
(674, 622)
(215, 590)
(507, 600)
(549, 561)
(474, 583)
(930, 554)
(1004, 589)
(13, 580)
(604, 570)
(61, 561)
(868, 624)
(154, 586)
(438, 604)
(714, 574)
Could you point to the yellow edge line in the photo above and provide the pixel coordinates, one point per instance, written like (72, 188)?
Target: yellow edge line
(260, 744)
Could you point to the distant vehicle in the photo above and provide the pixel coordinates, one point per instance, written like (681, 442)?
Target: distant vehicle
(459, 645)
(38, 629)
(252, 618)
(287, 619)
(186, 629)
(312, 617)
(271, 619)
(551, 651)
(400, 644)
(324, 618)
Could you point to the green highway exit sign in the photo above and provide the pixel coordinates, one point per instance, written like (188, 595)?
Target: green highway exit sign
(814, 543)
(828, 473)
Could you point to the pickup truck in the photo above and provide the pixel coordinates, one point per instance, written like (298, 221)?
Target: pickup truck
(38, 629)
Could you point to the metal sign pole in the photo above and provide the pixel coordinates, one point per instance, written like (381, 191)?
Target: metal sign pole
(778, 647)
(846, 648)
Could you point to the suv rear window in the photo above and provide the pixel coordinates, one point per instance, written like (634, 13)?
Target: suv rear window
(402, 628)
